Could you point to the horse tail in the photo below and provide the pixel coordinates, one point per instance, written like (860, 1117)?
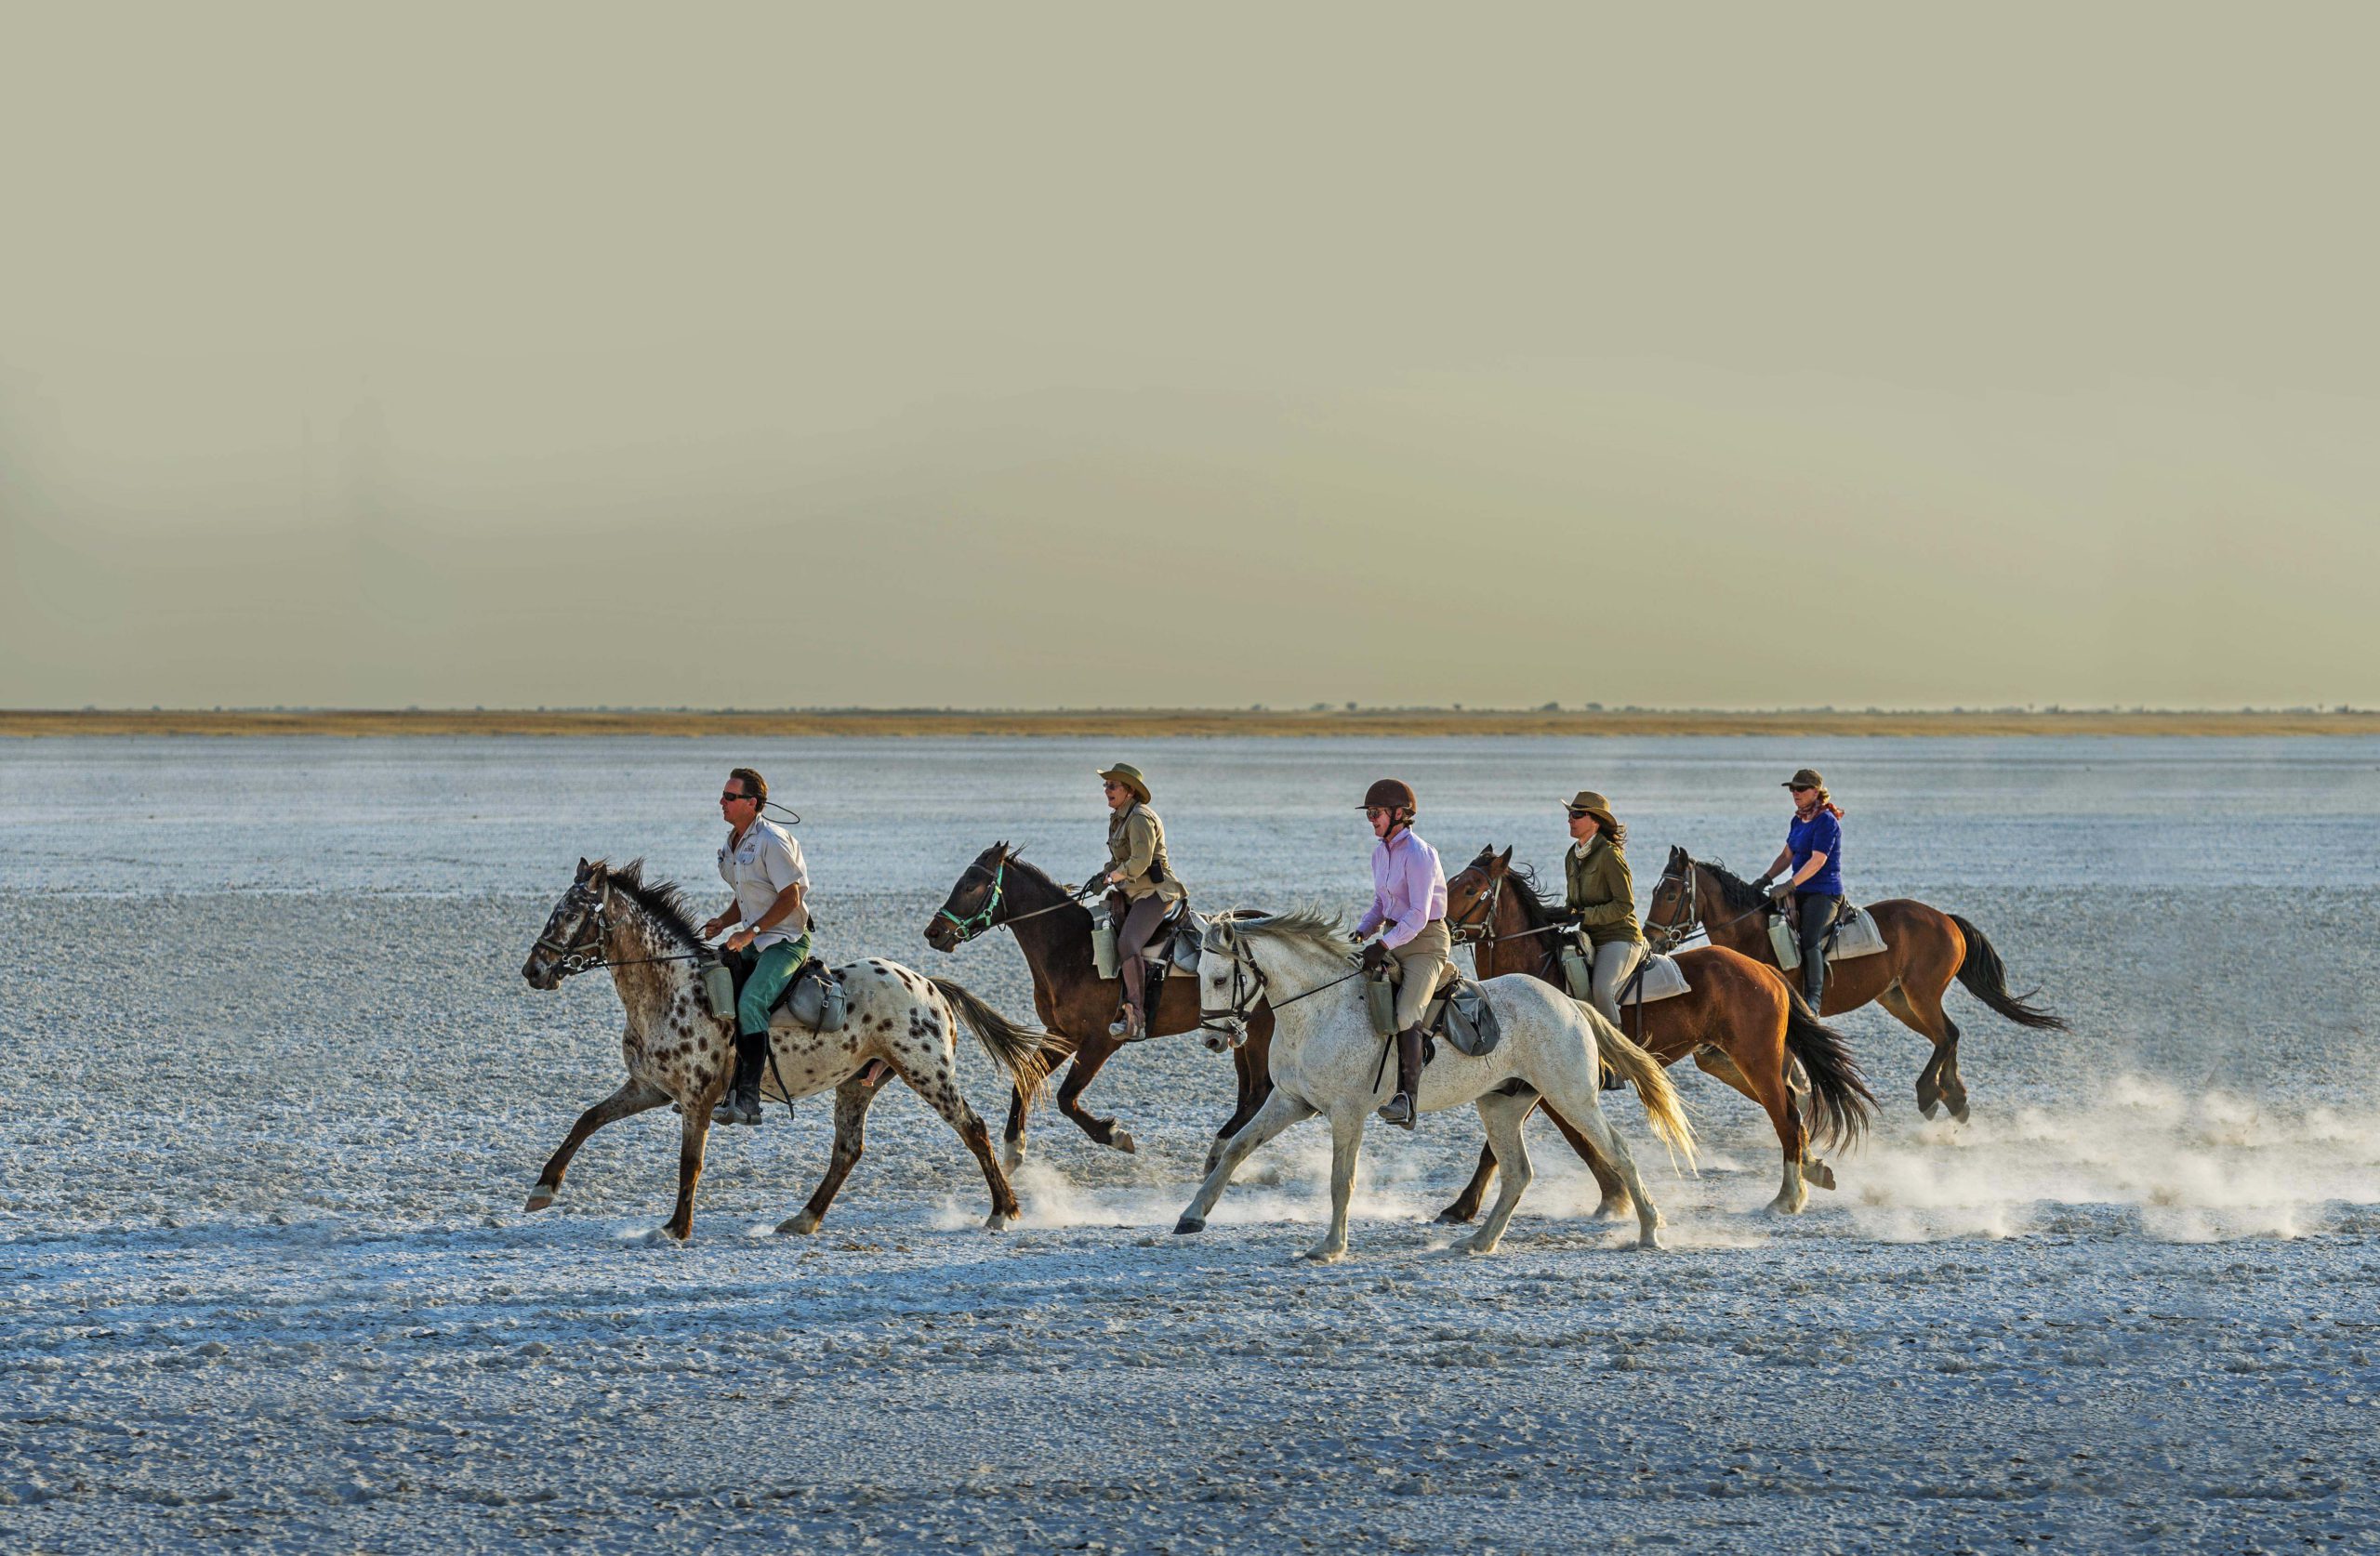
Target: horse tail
(1019, 1052)
(1643, 1072)
(1986, 977)
(1841, 1105)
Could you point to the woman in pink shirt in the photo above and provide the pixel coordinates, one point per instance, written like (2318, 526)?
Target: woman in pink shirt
(1409, 906)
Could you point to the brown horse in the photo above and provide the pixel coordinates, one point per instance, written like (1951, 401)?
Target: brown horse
(1053, 930)
(1925, 948)
(1738, 1019)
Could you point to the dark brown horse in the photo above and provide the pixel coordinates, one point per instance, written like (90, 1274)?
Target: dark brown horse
(1925, 948)
(1738, 1019)
(1053, 930)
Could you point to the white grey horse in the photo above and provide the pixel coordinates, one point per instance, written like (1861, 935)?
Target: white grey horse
(1327, 1059)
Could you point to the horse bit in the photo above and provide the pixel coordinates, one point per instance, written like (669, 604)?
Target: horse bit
(584, 951)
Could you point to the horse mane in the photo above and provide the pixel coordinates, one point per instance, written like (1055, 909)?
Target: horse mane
(1735, 891)
(661, 900)
(1312, 928)
(1523, 880)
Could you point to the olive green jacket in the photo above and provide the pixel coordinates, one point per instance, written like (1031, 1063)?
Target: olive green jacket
(1602, 893)
(1136, 852)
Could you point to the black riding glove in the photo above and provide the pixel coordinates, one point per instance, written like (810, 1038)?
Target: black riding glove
(1780, 895)
(1375, 955)
(1098, 879)
(1764, 883)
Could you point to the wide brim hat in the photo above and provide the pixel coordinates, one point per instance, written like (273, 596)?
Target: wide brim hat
(1129, 776)
(1587, 800)
(1806, 779)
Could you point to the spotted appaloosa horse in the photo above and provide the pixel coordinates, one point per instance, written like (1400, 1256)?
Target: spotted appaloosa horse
(677, 1051)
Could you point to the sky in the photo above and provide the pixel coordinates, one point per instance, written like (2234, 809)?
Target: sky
(1095, 355)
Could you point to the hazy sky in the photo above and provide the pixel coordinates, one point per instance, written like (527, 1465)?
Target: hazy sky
(1117, 354)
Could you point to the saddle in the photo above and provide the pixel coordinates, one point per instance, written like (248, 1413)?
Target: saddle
(1854, 933)
(1458, 1011)
(814, 997)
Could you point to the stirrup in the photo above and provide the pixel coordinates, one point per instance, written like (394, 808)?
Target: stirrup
(1126, 1028)
(1400, 1115)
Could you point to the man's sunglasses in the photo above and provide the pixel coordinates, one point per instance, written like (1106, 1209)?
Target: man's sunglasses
(725, 798)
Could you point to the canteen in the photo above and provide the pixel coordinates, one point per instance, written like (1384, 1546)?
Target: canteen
(1103, 940)
(718, 988)
(1577, 967)
(1379, 999)
(1787, 943)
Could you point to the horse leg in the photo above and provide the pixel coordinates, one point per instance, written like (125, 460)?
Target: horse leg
(1615, 1205)
(933, 1076)
(1930, 1091)
(1255, 1085)
(1093, 1053)
(852, 1098)
(1281, 1111)
(633, 1097)
(1346, 1145)
(1777, 1100)
(1503, 1116)
(1573, 1094)
(693, 1133)
(1466, 1204)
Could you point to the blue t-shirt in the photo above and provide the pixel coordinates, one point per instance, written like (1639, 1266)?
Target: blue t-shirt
(1821, 833)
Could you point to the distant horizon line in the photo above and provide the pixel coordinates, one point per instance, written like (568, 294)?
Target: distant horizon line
(1310, 710)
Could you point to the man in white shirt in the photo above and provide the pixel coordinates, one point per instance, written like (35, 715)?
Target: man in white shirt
(763, 864)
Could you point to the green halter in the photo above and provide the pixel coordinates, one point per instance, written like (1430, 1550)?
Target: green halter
(976, 923)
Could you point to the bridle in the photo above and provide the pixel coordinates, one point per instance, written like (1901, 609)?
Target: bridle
(1483, 930)
(988, 916)
(1678, 928)
(1248, 985)
(584, 951)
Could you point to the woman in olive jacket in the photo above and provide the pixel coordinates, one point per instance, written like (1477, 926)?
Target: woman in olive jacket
(1143, 888)
(1603, 895)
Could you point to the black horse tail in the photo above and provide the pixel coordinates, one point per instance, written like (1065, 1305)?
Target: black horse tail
(1025, 1055)
(1841, 1105)
(1987, 978)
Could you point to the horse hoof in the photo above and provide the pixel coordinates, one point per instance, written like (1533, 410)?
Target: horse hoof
(1959, 1109)
(1323, 1255)
(1123, 1142)
(1478, 1247)
(802, 1225)
(996, 1221)
(1615, 1210)
(1453, 1216)
(1929, 1107)
(1188, 1225)
(1818, 1175)
(1651, 1242)
(540, 1199)
(671, 1234)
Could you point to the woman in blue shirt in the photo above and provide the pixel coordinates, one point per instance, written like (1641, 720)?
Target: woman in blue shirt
(1814, 852)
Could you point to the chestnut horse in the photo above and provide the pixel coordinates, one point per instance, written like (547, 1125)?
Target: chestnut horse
(1053, 930)
(1738, 1019)
(1925, 948)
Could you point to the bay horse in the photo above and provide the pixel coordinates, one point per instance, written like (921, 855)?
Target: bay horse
(677, 1051)
(1925, 948)
(1738, 1019)
(1053, 930)
(1327, 1059)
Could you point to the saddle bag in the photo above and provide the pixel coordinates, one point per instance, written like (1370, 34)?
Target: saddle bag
(719, 989)
(1379, 1003)
(816, 998)
(1190, 933)
(1470, 1021)
(1784, 942)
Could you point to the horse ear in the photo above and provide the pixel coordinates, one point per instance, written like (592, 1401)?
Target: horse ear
(1506, 859)
(582, 866)
(597, 871)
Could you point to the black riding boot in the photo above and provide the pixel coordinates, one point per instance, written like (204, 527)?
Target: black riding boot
(1404, 1108)
(1814, 980)
(742, 1105)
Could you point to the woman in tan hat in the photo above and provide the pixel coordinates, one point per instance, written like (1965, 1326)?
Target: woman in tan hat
(1814, 852)
(1143, 887)
(1603, 895)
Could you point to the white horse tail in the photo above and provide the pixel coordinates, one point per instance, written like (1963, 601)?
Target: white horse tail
(1022, 1054)
(1643, 1072)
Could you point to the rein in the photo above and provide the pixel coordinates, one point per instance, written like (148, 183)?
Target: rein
(1680, 930)
(987, 916)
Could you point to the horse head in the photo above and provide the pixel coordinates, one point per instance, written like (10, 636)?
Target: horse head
(975, 902)
(575, 930)
(1675, 910)
(1229, 986)
(1472, 894)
